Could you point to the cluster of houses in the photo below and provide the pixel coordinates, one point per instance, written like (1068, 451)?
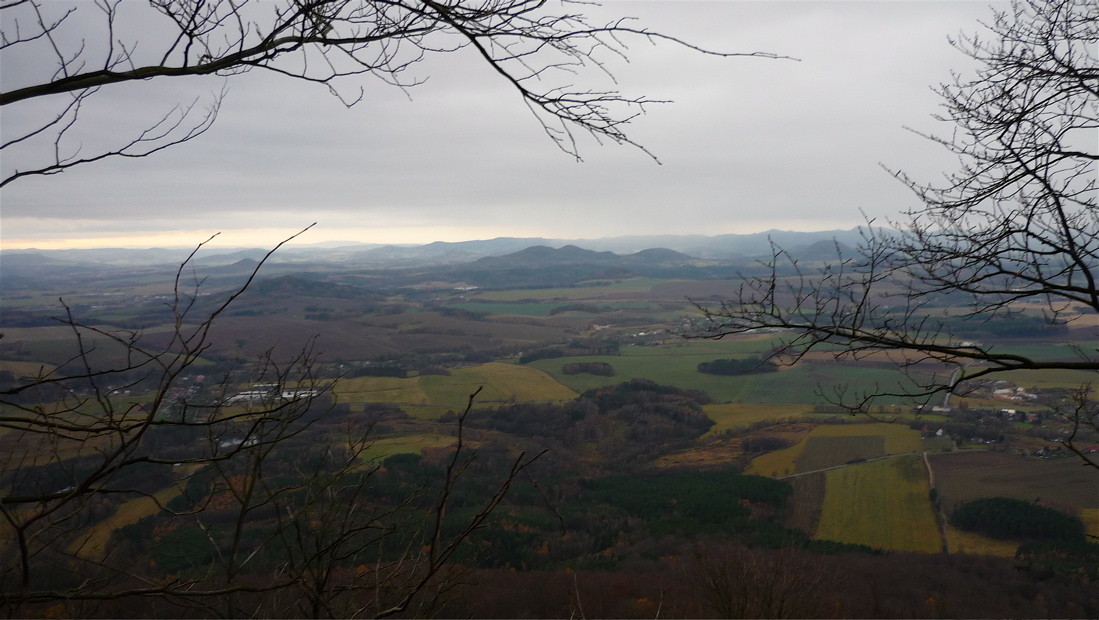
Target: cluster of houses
(1013, 394)
(265, 392)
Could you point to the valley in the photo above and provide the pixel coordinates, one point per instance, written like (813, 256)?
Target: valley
(588, 359)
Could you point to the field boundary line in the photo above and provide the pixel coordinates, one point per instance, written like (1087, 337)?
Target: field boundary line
(937, 505)
(876, 458)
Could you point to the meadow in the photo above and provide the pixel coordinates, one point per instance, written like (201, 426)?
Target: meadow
(881, 504)
(676, 363)
(499, 382)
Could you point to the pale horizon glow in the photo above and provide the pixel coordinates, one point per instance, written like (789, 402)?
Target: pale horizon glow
(269, 237)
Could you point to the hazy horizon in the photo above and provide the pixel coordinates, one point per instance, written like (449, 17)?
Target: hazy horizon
(230, 241)
(747, 144)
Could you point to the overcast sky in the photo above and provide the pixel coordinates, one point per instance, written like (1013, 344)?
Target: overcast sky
(748, 145)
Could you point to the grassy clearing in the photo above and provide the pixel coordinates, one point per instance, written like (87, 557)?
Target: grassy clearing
(523, 383)
(737, 416)
(456, 388)
(380, 390)
(677, 364)
(501, 382)
(882, 504)
(671, 364)
(381, 449)
(777, 463)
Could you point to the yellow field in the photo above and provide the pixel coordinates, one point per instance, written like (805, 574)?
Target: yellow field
(899, 439)
(962, 541)
(1090, 517)
(379, 390)
(523, 383)
(25, 370)
(777, 463)
(882, 504)
(735, 416)
(500, 382)
(383, 448)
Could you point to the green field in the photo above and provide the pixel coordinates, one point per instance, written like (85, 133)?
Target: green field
(677, 364)
(882, 504)
(380, 390)
(500, 382)
(1071, 379)
(1039, 351)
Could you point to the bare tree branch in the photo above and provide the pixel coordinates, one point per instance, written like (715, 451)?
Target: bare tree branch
(1014, 232)
(534, 45)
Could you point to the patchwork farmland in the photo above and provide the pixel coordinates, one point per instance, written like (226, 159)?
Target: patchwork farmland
(595, 382)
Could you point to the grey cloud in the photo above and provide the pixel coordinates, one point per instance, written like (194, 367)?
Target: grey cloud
(748, 142)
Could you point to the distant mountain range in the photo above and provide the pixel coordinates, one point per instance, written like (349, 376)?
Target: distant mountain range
(506, 262)
(658, 248)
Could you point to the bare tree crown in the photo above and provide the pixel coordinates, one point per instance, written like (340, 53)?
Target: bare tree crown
(1014, 230)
